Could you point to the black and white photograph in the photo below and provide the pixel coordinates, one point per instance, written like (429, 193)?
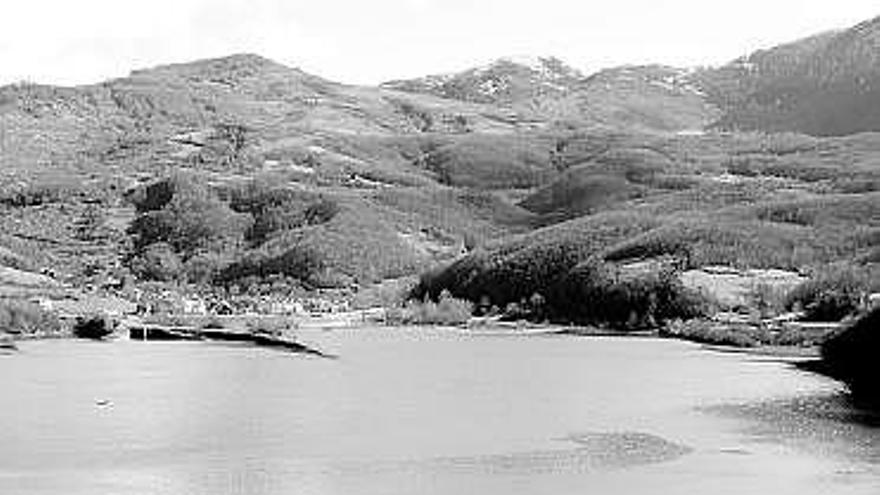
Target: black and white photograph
(439, 247)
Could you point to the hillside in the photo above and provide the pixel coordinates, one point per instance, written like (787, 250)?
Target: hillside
(644, 98)
(173, 113)
(69, 152)
(747, 201)
(240, 172)
(504, 81)
(825, 85)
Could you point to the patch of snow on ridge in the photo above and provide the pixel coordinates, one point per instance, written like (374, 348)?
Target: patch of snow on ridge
(533, 62)
(554, 87)
(492, 86)
(662, 84)
(546, 67)
(437, 80)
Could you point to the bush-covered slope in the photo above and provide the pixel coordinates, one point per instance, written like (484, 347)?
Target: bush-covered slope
(775, 216)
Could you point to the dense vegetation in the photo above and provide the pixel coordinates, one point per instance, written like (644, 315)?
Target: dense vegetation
(795, 209)
(447, 310)
(181, 223)
(835, 291)
(24, 318)
(191, 232)
(598, 293)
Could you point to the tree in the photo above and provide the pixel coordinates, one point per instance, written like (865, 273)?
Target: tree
(158, 262)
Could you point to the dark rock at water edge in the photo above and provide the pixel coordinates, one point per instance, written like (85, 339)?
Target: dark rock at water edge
(851, 357)
(93, 327)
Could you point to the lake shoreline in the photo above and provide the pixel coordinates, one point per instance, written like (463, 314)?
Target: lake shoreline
(476, 326)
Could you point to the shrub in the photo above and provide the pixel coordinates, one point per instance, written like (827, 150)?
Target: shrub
(737, 335)
(20, 317)
(276, 209)
(532, 309)
(158, 262)
(598, 293)
(832, 293)
(56, 190)
(447, 310)
(155, 195)
(271, 326)
(708, 332)
(795, 337)
(93, 327)
(766, 298)
(299, 262)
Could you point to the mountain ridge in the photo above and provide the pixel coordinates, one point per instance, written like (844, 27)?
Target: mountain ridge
(826, 84)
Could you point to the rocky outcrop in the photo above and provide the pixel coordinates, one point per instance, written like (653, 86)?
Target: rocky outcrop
(851, 356)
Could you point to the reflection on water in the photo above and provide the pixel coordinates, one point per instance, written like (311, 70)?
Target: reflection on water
(424, 412)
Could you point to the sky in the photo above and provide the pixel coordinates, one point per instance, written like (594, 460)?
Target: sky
(70, 42)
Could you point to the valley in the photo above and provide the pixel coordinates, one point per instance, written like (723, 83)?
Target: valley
(230, 275)
(238, 177)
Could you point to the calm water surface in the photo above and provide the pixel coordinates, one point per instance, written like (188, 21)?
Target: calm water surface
(406, 412)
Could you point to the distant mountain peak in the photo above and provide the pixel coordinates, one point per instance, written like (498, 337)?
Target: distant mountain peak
(534, 61)
(236, 65)
(542, 66)
(505, 79)
(538, 63)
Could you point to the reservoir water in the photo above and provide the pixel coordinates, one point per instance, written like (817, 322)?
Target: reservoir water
(433, 412)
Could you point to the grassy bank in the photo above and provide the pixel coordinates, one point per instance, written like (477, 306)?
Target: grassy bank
(705, 331)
